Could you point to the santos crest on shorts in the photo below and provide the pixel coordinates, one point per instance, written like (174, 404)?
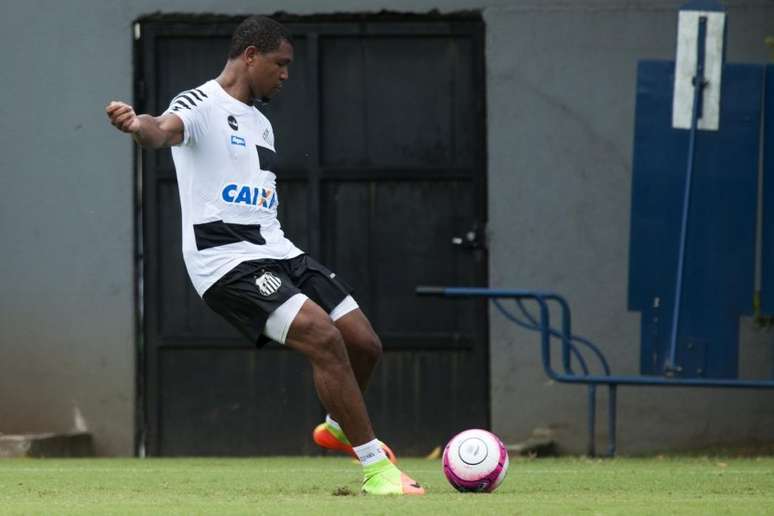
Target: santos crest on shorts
(228, 194)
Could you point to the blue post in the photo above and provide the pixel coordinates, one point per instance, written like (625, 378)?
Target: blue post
(592, 450)
(671, 366)
(612, 405)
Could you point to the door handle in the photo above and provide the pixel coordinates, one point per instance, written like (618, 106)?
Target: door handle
(471, 239)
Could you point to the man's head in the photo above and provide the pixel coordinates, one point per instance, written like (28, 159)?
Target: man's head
(264, 48)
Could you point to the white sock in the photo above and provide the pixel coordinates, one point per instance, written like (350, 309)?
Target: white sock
(332, 422)
(370, 452)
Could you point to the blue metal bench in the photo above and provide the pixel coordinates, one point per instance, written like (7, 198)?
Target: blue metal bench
(569, 349)
(689, 308)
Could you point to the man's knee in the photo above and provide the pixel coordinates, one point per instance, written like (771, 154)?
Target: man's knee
(328, 343)
(315, 335)
(360, 336)
(372, 347)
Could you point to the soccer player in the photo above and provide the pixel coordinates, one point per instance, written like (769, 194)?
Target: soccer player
(237, 256)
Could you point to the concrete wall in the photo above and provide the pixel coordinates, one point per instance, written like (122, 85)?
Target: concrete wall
(560, 91)
(561, 105)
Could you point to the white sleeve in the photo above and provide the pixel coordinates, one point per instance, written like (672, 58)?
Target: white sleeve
(191, 109)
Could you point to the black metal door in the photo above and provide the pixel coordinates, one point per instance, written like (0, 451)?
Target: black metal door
(380, 134)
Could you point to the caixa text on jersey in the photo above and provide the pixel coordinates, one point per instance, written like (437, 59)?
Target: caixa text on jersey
(249, 196)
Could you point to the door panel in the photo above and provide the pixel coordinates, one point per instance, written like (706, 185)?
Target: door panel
(405, 103)
(224, 402)
(380, 139)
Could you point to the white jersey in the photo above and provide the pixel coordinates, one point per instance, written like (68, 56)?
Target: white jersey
(228, 194)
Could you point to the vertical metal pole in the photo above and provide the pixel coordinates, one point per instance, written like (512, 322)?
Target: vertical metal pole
(566, 340)
(611, 419)
(698, 89)
(592, 450)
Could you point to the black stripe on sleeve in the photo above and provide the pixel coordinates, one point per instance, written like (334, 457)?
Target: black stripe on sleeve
(193, 93)
(185, 100)
(186, 97)
(201, 93)
(180, 102)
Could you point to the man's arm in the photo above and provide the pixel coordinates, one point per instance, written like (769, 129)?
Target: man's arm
(148, 131)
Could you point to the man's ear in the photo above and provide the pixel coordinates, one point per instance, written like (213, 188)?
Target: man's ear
(250, 54)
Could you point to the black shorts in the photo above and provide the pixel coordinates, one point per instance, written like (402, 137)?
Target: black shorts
(251, 291)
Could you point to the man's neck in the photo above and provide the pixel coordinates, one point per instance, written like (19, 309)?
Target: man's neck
(230, 79)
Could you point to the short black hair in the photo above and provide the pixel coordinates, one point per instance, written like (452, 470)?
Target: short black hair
(261, 32)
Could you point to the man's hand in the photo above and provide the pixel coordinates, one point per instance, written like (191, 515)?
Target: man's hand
(149, 132)
(123, 117)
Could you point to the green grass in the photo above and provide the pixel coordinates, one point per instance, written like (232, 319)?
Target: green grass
(307, 486)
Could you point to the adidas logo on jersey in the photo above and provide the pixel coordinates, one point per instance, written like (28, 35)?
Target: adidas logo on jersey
(249, 196)
(267, 284)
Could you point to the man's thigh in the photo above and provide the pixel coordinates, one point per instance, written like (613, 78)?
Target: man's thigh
(356, 328)
(248, 295)
(311, 329)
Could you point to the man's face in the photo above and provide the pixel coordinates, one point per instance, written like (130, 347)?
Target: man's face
(268, 71)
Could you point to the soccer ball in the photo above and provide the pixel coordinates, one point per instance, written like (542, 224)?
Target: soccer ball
(475, 461)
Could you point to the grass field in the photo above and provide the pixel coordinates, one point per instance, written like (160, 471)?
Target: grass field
(330, 486)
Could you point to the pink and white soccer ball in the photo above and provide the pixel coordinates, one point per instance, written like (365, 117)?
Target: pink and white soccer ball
(475, 461)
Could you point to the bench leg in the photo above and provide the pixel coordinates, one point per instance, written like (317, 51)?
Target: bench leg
(591, 449)
(611, 419)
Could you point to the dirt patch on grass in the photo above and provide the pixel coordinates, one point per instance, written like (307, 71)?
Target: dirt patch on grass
(343, 491)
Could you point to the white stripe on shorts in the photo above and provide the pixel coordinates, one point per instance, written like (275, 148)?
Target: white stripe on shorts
(279, 321)
(343, 308)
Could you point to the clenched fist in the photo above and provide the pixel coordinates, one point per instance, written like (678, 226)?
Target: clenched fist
(123, 117)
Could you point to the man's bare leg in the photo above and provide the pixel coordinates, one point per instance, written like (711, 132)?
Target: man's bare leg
(314, 334)
(363, 345)
(364, 350)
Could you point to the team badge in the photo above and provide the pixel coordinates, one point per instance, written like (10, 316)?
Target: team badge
(267, 137)
(232, 122)
(267, 284)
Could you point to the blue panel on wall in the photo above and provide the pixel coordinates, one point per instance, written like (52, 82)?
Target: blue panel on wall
(767, 249)
(720, 251)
